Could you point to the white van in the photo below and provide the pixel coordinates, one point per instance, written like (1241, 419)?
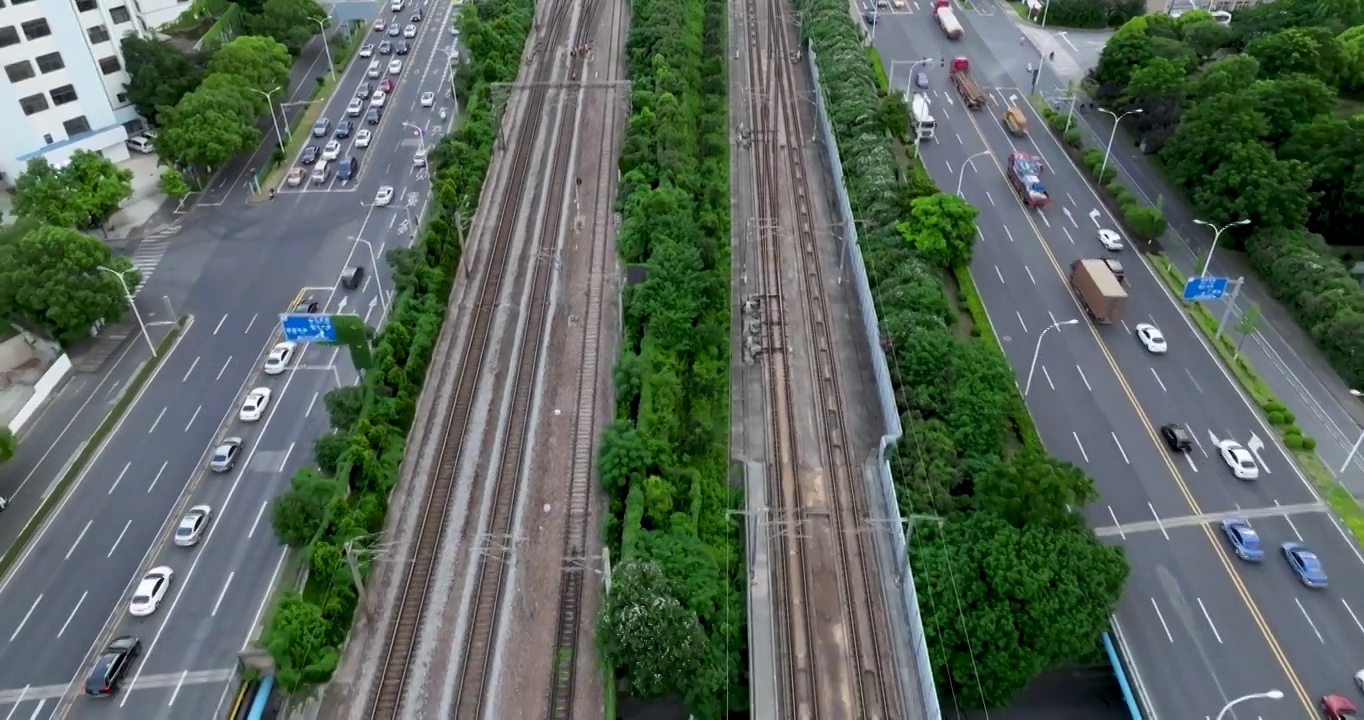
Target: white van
(375, 69)
(396, 6)
(321, 172)
(140, 143)
(419, 158)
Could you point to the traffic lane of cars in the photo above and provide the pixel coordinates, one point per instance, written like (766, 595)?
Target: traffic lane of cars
(1195, 642)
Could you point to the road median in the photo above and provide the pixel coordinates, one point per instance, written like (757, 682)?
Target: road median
(56, 493)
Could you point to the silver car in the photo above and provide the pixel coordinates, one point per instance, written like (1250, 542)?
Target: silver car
(193, 526)
(226, 454)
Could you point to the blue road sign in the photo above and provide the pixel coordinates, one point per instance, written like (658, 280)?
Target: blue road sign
(1205, 288)
(303, 327)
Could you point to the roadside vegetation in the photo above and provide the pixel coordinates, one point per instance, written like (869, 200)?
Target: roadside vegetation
(1254, 121)
(343, 500)
(674, 622)
(1011, 582)
(1082, 13)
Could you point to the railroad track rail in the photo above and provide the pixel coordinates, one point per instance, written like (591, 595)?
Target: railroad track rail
(388, 701)
(831, 631)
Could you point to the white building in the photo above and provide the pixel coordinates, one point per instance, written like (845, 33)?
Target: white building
(64, 80)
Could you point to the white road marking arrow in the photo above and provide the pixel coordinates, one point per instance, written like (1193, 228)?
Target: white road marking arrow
(1094, 215)
(341, 304)
(1215, 442)
(1255, 445)
(373, 301)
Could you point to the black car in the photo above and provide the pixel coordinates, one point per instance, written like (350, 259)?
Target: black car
(309, 155)
(385, 47)
(363, 92)
(373, 116)
(309, 306)
(111, 665)
(1176, 437)
(343, 130)
(403, 48)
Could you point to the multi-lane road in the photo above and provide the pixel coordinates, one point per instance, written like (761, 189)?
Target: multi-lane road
(68, 595)
(1200, 628)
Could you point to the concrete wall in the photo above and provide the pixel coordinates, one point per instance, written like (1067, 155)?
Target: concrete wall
(47, 384)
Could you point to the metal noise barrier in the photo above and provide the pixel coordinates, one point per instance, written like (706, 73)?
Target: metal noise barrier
(889, 414)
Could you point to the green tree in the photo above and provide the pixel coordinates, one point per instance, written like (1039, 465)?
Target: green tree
(1289, 101)
(1204, 138)
(622, 457)
(1246, 323)
(1231, 74)
(51, 278)
(1146, 222)
(1030, 600)
(1033, 489)
(1350, 75)
(1158, 78)
(344, 405)
(327, 450)
(1129, 48)
(1295, 50)
(1251, 183)
(1331, 146)
(942, 228)
(261, 62)
(1207, 36)
(82, 194)
(291, 23)
(9, 444)
(172, 182)
(649, 635)
(210, 125)
(297, 640)
(160, 74)
(298, 513)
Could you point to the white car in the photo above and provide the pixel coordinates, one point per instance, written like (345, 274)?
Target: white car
(151, 590)
(1239, 459)
(362, 138)
(332, 150)
(355, 107)
(378, 99)
(379, 25)
(1110, 240)
(279, 358)
(419, 158)
(428, 99)
(254, 405)
(1150, 336)
(367, 50)
(395, 67)
(192, 526)
(410, 31)
(384, 196)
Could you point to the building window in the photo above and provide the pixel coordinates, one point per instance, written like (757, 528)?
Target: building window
(49, 62)
(77, 125)
(47, 138)
(110, 65)
(120, 14)
(33, 104)
(86, 5)
(19, 2)
(122, 98)
(8, 36)
(98, 34)
(34, 29)
(63, 95)
(21, 70)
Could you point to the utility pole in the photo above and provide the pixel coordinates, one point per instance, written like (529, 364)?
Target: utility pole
(1231, 302)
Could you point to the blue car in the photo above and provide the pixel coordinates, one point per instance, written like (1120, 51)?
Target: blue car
(1245, 542)
(1305, 563)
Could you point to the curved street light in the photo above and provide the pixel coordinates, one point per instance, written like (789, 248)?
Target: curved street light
(1117, 119)
(1216, 234)
(1271, 695)
(1038, 350)
(127, 293)
(961, 174)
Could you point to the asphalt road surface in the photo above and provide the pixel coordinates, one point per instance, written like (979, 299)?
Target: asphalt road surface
(235, 269)
(1199, 626)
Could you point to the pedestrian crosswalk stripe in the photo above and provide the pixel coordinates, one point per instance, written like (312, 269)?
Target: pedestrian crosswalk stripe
(150, 251)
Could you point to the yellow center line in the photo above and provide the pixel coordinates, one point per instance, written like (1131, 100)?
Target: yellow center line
(1218, 551)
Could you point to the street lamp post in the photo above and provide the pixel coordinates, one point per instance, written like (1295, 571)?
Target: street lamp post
(374, 265)
(1038, 350)
(1355, 448)
(269, 101)
(450, 58)
(129, 295)
(1271, 695)
(1217, 233)
(961, 174)
(421, 135)
(1109, 149)
(890, 79)
(326, 46)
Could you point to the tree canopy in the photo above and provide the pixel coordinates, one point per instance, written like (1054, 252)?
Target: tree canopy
(52, 279)
(81, 194)
(292, 23)
(9, 444)
(159, 74)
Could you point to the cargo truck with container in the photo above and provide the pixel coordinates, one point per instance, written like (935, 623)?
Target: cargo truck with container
(924, 125)
(1098, 289)
(947, 20)
(967, 87)
(1025, 174)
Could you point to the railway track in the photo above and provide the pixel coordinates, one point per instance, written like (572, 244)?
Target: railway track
(388, 700)
(568, 631)
(835, 656)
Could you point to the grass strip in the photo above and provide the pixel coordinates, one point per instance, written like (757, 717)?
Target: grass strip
(88, 450)
(1301, 448)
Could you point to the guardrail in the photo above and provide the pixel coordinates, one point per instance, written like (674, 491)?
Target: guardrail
(1115, 658)
(890, 414)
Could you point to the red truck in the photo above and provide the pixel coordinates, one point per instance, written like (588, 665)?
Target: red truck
(1025, 173)
(970, 91)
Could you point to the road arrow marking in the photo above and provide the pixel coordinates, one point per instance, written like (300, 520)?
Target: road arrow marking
(373, 301)
(1255, 445)
(1215, 442)
(1094, 215)
(341, 304)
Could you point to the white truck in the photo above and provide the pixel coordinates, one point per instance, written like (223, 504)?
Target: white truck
(922, 117)
(947, 20)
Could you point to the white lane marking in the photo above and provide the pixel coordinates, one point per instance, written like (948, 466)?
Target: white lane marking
(119, 539)
(1082, 377)
(247, 331)
(1159, 524)
(79, 537)
(1354, 617)
(73, 613)
(193, 417)
(1020, 321)
(1199, 443)
(38, 710)
(1162, 621)
(1291, 526)
(1045, 221)
(15, 709)
(119, 479)
(219, 326)
(36, 600)
(265, 599)
(989, 197)
(221, 594)
(311, 403)
(1119, 444)
(1308, 618)
(151, 430)
(1188, 458)
(1030, 277)
(191, 369)
(259, 514)
(287, 453)
(1080, 445)
(1068, 236)
(223, 369)
(1000, 275)
(1157, 376)
(176, 692)
(1116, 524)
(1006, 232)
(1211, 624)
(158, 475)
(1047, 375)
